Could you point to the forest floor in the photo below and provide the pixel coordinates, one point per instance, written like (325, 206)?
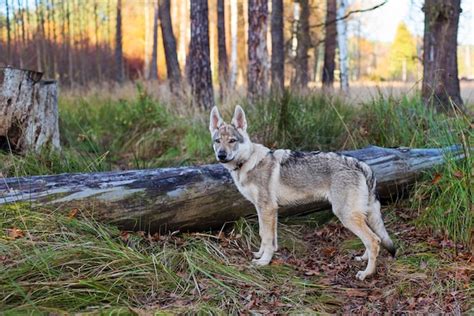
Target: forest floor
(58, 264)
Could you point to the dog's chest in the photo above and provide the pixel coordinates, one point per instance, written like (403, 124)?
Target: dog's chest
(248, 190)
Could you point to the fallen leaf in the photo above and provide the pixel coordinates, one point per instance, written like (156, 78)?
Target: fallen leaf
(458, 174)
(277, 262)
(437, 177)
(73, 213)
(356, 293)
(329, 251)
(15, 233)
(124, 235)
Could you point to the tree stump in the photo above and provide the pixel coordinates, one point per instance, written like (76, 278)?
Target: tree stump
(28, 111)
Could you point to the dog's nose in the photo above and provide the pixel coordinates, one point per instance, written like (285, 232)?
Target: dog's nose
(221, 155)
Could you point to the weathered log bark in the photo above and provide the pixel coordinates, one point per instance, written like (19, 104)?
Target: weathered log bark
(193, 198)
(28, 111)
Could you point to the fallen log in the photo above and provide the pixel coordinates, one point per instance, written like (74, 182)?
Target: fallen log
(28, 111)
(194, 198)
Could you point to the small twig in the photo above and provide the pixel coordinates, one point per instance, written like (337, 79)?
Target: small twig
(348, 14)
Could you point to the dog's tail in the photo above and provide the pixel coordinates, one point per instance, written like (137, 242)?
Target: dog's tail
(374, 217)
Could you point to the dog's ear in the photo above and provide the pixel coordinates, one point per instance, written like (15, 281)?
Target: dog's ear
(216, 120)
(239, 119)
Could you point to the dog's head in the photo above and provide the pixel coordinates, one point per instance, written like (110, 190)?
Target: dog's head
(230, 141)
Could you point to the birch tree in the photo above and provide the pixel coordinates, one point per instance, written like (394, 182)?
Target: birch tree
(342, 44)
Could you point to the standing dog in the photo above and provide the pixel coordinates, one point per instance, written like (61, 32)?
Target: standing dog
(270, 179)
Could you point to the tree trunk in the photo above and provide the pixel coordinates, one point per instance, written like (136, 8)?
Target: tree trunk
(169, 43)
(154, 52)
(146, 51)
(329, 45)
(192, 198)
(183, 32)
(200, 65)
(257, 75)
(233, 47)
(222, 50)
(440, 88)
(9, 36)
(119, 71)
(278, 47)
(342, 43)
(304, 43)
(29, 107)
(97, 43)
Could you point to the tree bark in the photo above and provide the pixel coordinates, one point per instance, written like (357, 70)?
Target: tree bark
(342, 43)
(257, 72)
(154, 52)
(29, 111)
(146, 50)
(200, 65)
(9, 37)
(169, 43)
(440, 87)
(183, 32)
(278, 47)
(194, 198)
(222, 50)
(329, 45)
(119, 71)
(304, 43)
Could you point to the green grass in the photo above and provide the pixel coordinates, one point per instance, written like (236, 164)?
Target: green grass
(77, 264)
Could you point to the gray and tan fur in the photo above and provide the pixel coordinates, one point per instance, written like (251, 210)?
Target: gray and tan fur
(270, 179)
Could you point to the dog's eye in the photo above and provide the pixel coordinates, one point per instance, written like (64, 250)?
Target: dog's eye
(218, 141)
(232, 141)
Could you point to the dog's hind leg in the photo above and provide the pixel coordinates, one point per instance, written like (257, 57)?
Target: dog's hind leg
(267, 234)
(374, 218)
(356, 222)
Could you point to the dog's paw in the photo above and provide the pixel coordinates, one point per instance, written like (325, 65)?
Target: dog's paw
(257, 254)
(361, 275)
(261, 262)
(360, 258)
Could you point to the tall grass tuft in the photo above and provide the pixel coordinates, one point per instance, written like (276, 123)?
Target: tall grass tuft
(72, 263)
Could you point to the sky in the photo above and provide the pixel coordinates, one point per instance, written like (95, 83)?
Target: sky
(381, 24)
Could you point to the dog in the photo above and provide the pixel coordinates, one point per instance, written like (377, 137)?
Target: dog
(273, 178)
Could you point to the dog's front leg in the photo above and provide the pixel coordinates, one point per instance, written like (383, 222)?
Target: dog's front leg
(267, 227)
(259, 253)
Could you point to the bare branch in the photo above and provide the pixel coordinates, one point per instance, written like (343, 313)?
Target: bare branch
(348, 14)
